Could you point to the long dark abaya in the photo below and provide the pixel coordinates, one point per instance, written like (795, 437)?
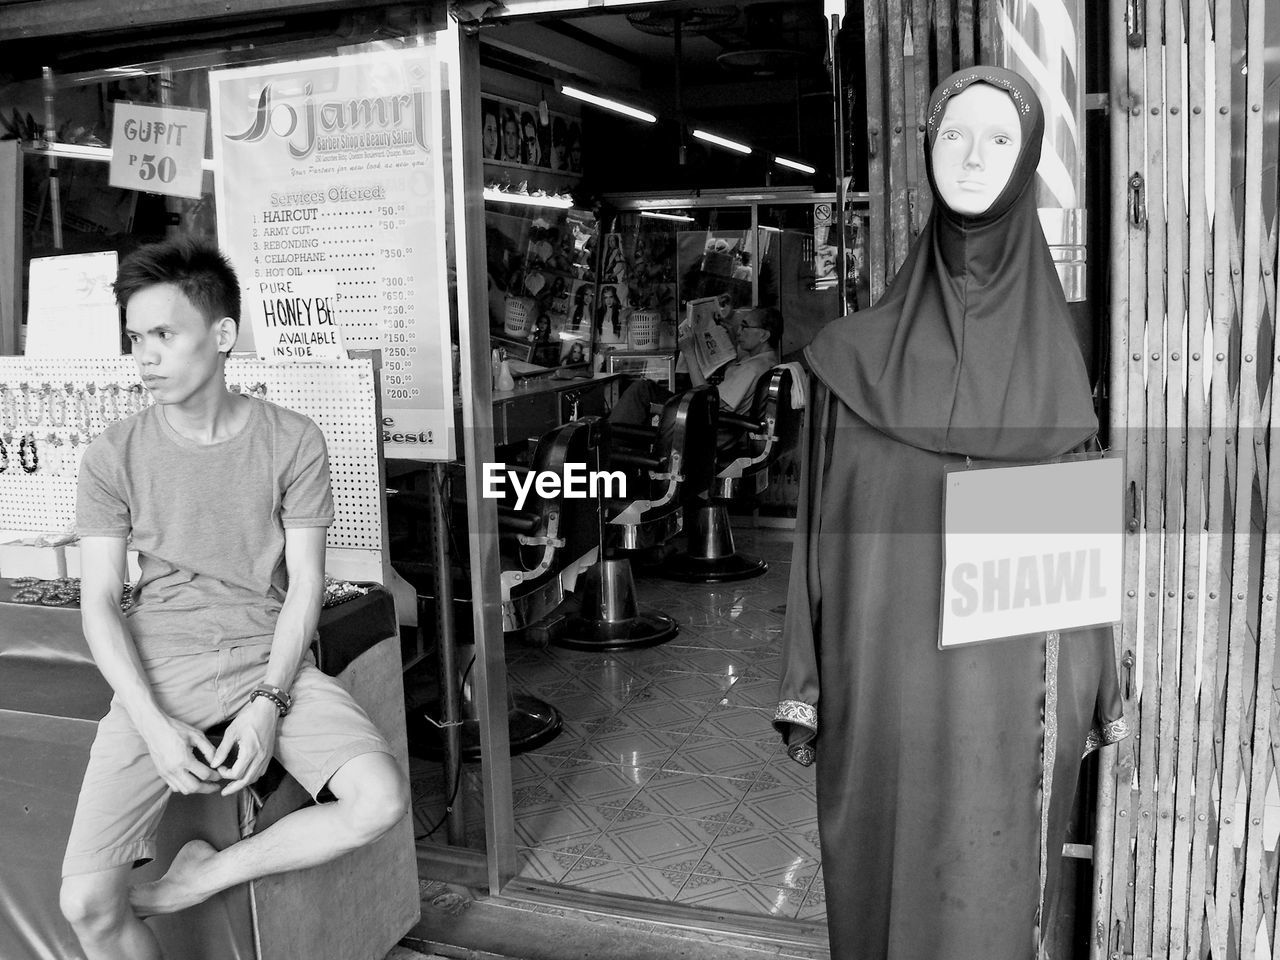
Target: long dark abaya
(945, 778)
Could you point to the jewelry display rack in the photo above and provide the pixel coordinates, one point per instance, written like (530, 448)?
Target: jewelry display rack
(50, 409)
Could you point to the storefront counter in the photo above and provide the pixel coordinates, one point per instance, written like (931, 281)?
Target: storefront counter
(51, 697)
(536, 405)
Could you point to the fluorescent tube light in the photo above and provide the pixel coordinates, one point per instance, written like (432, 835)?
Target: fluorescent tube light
(666, 216)
(606, 104)
(794, 165)
(530, 7)
(72, 151)
(501, 196)
(721, 141)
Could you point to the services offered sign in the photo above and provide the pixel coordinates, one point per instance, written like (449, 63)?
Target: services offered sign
(328, 171)
(1030, 549)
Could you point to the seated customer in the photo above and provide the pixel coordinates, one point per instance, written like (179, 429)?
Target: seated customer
(758, 337)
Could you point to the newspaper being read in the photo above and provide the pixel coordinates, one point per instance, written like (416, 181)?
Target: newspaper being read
(711, 346)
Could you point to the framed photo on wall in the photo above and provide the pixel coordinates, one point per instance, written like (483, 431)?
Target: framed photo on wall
(513, 134)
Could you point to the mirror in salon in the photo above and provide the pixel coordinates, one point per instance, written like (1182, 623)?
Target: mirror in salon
(543, 290)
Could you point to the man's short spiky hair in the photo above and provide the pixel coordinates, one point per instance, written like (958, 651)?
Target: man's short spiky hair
(196, 267)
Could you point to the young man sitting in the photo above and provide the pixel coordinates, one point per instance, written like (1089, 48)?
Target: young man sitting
(226, 499)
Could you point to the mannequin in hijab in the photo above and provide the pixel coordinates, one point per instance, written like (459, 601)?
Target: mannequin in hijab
(945, 779)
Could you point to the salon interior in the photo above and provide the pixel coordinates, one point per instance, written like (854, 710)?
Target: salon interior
(645, 773)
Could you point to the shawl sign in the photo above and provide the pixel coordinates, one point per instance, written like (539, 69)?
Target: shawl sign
(1031, 549)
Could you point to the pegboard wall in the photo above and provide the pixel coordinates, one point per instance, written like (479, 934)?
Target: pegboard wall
(62, 404)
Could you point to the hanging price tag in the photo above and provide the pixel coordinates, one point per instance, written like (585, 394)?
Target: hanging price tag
(158, 149)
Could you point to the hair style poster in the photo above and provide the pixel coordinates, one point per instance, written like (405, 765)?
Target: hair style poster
(581, 308)
(611, 313)
(328, 177)
(615, 266)
(512, 133)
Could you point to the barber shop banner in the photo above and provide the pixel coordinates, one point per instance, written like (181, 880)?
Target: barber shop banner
(330, 193)
(1031, 549)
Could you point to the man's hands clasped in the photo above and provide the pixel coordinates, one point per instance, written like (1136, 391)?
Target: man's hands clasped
(189, 763)
(176, 749)
(252, 734)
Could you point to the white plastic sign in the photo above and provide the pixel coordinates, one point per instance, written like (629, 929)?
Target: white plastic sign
(1031, 549)
(72, 311)
(158, 149)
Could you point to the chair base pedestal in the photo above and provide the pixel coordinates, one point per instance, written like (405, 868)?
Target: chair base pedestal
(646, 629)
(689, 569)
(609, 618)
(711, 556)
(531, 723)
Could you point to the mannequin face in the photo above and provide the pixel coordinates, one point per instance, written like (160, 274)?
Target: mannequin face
(976, 149)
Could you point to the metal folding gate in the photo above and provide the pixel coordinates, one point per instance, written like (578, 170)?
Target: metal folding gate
(1191, 868)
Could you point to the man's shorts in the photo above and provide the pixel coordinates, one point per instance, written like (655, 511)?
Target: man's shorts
(123, 797)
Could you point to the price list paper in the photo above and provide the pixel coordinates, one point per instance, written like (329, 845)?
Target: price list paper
(329, 171)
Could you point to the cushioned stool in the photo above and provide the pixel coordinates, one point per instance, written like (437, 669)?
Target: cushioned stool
(51, 697)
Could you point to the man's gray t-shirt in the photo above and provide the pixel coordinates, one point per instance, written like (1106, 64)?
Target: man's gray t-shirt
(207, 521)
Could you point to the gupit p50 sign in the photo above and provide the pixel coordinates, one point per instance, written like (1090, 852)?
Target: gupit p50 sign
(158, 149)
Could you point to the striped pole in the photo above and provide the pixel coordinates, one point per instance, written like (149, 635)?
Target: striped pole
(1043, 40)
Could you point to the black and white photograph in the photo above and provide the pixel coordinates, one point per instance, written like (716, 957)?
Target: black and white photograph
(600, 480)
(491, 128)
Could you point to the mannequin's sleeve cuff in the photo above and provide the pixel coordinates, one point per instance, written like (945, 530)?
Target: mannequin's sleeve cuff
(797, 722)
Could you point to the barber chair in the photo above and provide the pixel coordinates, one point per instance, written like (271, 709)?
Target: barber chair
(669, 465)
(541, 546)
(742, 471)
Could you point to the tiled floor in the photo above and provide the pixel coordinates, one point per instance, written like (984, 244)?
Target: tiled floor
(668, 781)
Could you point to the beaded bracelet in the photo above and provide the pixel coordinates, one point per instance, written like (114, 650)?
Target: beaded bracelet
(27, 393)
(28, 456)
(277, 696)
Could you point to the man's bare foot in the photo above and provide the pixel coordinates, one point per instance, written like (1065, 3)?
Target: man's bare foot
(184, 884)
